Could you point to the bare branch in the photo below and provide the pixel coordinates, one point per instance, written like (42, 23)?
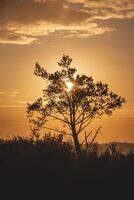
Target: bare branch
(81, 122)
(95, 135)
(79, 117)
(90, 115)
(56, 130)
(86, 117)
(65, 118)
(62, 120)
(86, 137)
(84, 126)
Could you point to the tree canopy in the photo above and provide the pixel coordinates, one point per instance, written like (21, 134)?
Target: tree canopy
(73, 99)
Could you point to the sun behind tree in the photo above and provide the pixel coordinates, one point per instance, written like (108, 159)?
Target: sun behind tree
(69, 85)
(73, 99)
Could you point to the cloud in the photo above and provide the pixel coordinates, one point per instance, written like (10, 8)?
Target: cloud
(25, 21)
(10, 37)
(104, 9)
(126, 113)
(14, 93)
(2, 92)
(14, 103)
(24, 102)
(12, 100)
(11, 106)
(31, 11)
(82, 30)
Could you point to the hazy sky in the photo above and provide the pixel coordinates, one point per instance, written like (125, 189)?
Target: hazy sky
(97, 34)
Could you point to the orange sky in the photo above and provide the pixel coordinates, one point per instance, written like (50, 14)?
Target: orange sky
(97, 34)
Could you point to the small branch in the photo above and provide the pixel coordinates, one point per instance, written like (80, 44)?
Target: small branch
(58, 119)
(86, 137)
(85, 118)
(79, 117)
(63, 132)
(92, 113)
(95, 135)
(81, 124)
(84, 127)
(66, 119)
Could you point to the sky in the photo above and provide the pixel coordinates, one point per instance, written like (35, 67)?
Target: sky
(97, 34)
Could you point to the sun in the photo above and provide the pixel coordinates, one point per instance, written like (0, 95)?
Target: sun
(69, 85)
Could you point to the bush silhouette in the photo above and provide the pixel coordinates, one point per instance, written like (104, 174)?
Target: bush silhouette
(49, 167)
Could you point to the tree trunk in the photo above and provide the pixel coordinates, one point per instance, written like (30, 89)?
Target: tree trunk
(76, 143)
(74, 133)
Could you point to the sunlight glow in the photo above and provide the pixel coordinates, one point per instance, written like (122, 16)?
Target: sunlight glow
(69, 85)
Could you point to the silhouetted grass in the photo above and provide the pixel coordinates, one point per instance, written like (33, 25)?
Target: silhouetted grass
(50, 169)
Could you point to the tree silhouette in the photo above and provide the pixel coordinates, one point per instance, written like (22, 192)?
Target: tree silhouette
(73, 99)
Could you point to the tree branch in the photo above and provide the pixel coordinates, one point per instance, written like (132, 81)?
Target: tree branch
(59, 110)
(81, 122)
(78, 117)
(95, 135)
(58, 119)
(63, 132)
(86, 137)
(84, 127)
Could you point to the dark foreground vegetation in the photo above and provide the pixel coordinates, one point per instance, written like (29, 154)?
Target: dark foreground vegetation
(50, 169)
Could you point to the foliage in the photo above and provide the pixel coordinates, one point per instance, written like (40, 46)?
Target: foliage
(48, 168)
(73, 99)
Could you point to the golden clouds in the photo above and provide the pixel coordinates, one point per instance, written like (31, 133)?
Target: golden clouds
(25, 21)
(9, 99)
(25, 34)
(8, 37)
